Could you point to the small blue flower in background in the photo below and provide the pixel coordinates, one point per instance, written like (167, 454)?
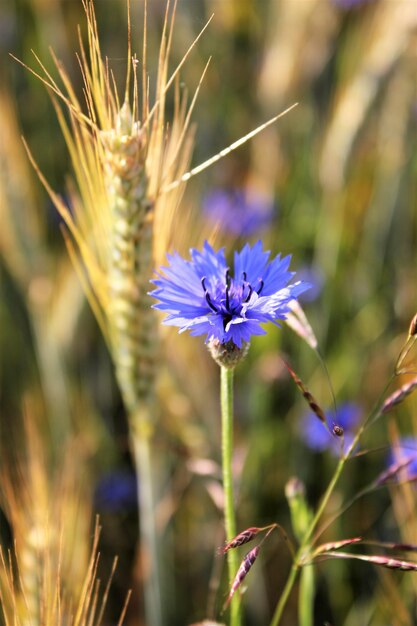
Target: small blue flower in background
(239, 211)
(318, 438)
(406, 450)
(350, 4)
(202, 296)
(116, 490)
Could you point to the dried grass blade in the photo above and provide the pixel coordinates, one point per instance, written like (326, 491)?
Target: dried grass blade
(106, 592)
(186, 122)
(169, 82)
(92, 568)
(124, 609)
(7, 580)
(89, 292)
(93, 602)
(226, 151)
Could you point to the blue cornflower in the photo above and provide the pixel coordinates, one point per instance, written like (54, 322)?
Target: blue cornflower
(318, 438)
(240, 211)
(202, 296)
(116, 490)
(400, 454)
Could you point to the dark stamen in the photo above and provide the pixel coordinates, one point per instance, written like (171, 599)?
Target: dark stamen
(228, 277)
(245, 283)
(249, 294)
(226, 320)
(207, 295)
(261, 286)
(209, 302)
(227, 289)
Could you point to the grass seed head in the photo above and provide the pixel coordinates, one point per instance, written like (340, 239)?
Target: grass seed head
(393, 471)
(309, 398)
(335, 545)
(242, 572)
(382, 560)
(244, 537)
(399, 395)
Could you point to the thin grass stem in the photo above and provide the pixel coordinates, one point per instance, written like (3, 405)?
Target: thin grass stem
(306, 599)
(285, 594)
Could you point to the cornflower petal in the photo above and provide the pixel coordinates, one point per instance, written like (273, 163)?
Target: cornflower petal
(208, 259)
(203, 296)
(251, 262)
(277, 275)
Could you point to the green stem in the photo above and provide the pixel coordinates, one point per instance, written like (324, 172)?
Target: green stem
(306, 597)
(226, 401)
(285, 593)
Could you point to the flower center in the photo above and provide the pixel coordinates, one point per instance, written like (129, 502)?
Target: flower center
(228, 300)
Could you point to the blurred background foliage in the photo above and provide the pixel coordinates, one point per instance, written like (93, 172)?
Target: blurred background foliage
(333, 183)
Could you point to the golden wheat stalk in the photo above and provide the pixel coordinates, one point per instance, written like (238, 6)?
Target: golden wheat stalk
(49, 515)
(53, 606)
(121, 157)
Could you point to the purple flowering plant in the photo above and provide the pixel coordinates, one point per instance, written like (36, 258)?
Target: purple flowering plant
(202, 295)
(351, 4)
(319, 438)
(240, 211)
(405, 453)
(116, 491)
